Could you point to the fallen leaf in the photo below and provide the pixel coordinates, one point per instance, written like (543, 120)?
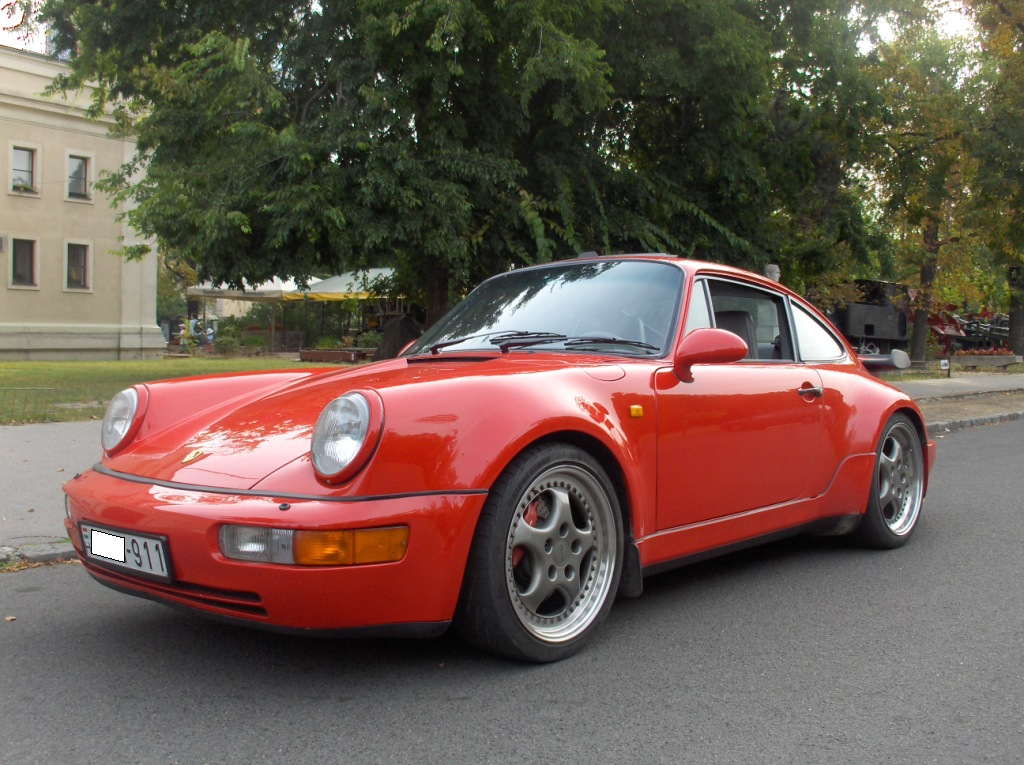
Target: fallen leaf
(10, 618)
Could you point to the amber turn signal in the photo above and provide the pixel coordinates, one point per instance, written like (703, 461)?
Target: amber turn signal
(350, 547)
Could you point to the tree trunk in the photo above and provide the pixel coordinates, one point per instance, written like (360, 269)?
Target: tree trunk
(1017, 320)
(436, 286)
(923, 301)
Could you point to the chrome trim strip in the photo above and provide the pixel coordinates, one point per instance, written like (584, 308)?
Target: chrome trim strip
(103, 470)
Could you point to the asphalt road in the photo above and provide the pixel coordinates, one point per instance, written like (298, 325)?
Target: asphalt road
(807, 651)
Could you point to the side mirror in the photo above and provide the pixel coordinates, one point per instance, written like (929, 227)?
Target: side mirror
(896, 359)
(707, 346)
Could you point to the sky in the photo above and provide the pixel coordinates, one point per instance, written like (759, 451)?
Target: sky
(12, 40)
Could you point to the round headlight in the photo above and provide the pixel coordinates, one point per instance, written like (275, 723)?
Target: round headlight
(345, 434)
(119, 419)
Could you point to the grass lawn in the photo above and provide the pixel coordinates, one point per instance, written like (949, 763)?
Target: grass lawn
(60, 391)
(57, 391)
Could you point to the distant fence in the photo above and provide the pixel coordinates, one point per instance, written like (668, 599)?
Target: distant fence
(27, 405)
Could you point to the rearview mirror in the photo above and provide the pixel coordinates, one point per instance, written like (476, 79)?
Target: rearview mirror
(707, 346)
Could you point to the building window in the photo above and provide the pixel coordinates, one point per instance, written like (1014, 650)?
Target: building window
(23, 263)
(23, 169)
(78, 267)
(78, 177)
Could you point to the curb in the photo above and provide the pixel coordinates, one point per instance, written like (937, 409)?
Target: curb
(38, 552)
(53, 550)
(941, 428)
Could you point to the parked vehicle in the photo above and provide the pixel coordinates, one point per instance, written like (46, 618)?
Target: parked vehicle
(563, 432)
(878, 322)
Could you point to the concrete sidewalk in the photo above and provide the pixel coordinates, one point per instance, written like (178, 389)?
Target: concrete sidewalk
(38, 459)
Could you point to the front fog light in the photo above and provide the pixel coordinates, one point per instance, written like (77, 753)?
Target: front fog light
(255, 543)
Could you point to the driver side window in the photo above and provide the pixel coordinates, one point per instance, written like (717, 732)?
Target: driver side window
(756, 315)
(698, 316)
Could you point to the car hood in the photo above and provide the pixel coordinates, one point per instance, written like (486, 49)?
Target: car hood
(239, 443)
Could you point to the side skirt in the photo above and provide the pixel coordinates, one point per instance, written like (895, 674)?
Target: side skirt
(822, 527)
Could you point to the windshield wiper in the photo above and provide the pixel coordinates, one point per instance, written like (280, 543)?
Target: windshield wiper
(598, 340)
(504, 340)
(435, 349)
(508, 340)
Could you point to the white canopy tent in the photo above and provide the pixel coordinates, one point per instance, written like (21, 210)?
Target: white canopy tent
(231, 302)
(272, 291)
(352, 285)
(347, 286)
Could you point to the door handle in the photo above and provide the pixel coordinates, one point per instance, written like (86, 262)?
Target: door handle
(816, 391)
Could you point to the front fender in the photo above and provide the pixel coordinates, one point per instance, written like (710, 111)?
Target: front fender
(459, 434)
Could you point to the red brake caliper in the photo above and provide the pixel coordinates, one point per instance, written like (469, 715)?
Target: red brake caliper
(530, 516)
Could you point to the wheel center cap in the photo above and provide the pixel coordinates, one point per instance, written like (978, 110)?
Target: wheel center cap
(561, 553)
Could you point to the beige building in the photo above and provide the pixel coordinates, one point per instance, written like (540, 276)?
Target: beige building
(63, 293)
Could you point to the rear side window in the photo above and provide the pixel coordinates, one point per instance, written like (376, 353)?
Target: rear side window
(815, 341)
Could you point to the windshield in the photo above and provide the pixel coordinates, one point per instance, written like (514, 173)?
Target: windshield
(626, 307)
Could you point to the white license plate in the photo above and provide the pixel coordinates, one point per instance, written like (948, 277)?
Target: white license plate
(135, 552)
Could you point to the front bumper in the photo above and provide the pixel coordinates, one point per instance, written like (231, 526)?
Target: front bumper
(418, 591)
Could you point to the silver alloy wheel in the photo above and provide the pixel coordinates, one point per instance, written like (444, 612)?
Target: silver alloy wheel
(560, 553)
(900, 482)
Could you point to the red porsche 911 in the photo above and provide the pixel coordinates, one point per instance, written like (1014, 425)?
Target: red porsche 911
(564, 431)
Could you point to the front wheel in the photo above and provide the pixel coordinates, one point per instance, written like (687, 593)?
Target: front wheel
(546, 559)
(897, 489)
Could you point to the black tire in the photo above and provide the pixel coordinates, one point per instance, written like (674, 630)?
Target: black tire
(897, 487)
(546, 558)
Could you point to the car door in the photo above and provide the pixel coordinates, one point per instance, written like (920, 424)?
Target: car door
(740, 436)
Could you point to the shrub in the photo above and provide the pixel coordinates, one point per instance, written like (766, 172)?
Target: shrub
(228, 345)
(328, 343)
(370, 339)
(985, 352)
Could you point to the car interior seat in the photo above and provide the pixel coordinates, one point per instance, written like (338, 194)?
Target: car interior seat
(739, 323)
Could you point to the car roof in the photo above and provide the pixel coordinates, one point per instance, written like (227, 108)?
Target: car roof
(693, 267)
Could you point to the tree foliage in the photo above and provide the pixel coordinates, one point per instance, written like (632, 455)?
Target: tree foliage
(998, 145)
(456, 138)
(920, 167)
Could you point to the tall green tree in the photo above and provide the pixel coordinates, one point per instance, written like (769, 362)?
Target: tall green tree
(998, 144)
(456, 138)
(824, 101)
(295, 138)
(746, 122)
(922, 170)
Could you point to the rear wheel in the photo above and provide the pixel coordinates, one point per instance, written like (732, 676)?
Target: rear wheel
(897, 489)
(546, 558)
